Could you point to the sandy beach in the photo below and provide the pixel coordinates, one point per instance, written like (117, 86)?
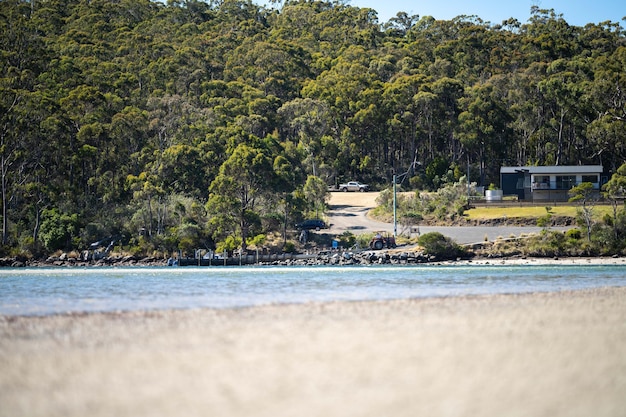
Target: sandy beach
(547, 354)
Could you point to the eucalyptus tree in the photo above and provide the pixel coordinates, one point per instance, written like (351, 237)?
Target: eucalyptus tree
(348, 88)
(306, 121)
(148, 204)
(562, 91)
(409, 109)
(276, 68)
(240, 19)
(286, 196)
(548, 36)
(483, 130)
(587, 196)
(467, 45)
(236, 191)
(316, 194)
(448, 91)
(607, 131)
(23, 107)
(184, 169)
(112, 112)
(615, 191)
(521, 101)
(400, 24)
(86, 114)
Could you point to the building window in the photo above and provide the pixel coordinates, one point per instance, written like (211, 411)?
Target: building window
(541, 182)
(565, 182)
(590, 178)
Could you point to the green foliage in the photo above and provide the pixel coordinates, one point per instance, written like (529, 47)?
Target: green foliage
(444, 205)
(189, 237)
(111, 111)
(289, 247)
(411, 218)
(437, 172)
(316, 193)
(257, 240)
(447, 203)
(440, 246)
(586, 195)
(234, 192)
(573, 234)
(582, 192)
(30, 248)
(363, 239)
(142, 246)
(546, 244)
(58, 230)
(615, 188)
(347, 239)
(546, 220)
(385, 199)
(572, 243)
(228, 245)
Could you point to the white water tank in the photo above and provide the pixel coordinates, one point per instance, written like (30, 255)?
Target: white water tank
(493, 195)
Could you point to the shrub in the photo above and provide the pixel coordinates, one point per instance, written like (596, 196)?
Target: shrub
(573, 234)
(289, 247)
(347, 239)
(440, 246)
(58, 229)
(363, 240)
(228, 245)
(141, 246)
(30, 247)
(546, 244)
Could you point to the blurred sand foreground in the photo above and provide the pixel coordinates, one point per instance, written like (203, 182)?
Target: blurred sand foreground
(557, 354)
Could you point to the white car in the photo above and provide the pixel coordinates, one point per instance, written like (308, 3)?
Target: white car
(354, 186)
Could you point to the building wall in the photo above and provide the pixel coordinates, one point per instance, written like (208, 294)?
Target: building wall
(547, 183)
(510, 184)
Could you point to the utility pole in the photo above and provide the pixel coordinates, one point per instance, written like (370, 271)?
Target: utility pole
(468, 178)
(395, 224)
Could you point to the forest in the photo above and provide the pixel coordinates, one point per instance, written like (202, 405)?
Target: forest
(169, 126)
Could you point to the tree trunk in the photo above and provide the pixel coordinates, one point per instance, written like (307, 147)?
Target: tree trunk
(37, 223)
(3, 170)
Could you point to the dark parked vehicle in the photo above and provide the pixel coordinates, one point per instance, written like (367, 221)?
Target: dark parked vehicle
(312, 224)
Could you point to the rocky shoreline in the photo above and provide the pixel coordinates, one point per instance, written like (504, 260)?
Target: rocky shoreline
(324, 258)
(400, 256)
(66, 261)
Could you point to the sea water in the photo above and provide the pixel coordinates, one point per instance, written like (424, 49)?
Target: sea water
(44, 291)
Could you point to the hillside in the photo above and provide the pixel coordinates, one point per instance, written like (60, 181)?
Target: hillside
(186, 124)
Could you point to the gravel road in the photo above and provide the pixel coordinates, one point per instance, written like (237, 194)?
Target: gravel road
(348, 211)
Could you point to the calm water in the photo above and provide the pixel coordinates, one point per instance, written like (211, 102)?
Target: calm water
(41, 291)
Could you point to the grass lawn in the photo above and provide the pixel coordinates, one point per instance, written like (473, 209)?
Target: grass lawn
(531, 212)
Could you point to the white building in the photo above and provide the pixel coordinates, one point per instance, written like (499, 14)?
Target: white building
(548, 183)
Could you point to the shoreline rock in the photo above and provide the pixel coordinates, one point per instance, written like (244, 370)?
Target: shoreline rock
(329, 258)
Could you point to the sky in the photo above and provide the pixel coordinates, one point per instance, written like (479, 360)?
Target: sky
(575, 12)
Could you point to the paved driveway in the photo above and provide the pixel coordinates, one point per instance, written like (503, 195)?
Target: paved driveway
(349, 212)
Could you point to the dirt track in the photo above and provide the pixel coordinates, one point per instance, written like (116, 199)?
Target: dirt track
(353, 199)
(349, 213)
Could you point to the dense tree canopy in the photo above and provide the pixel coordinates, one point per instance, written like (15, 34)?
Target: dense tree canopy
(192, 121)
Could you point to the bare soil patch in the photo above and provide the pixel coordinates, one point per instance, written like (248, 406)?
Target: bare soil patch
(367, 199)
